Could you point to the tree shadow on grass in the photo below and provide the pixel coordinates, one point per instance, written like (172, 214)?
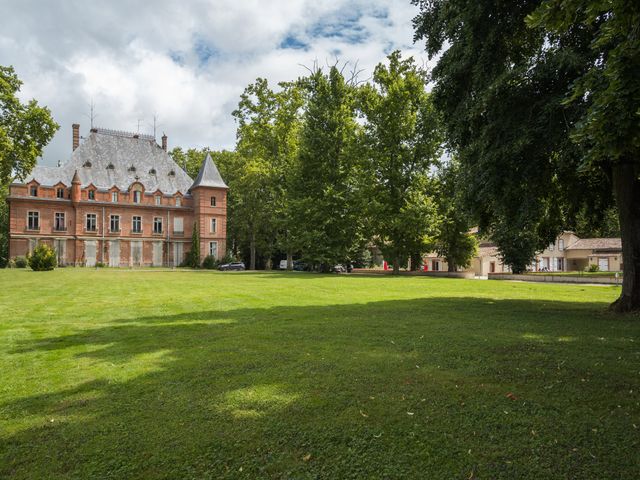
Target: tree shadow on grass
(393, 389)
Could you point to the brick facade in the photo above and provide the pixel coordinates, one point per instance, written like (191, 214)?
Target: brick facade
(88, 223)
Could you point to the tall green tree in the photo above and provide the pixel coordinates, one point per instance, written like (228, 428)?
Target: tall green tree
(194, 254)
(501, 94)
(24, 131)
(543, 117)
(267, 140)
(403, 141)
(454, 241)
(608, 131)
(327, 214)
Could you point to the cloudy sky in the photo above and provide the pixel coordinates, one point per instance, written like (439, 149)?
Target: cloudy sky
(186, 62)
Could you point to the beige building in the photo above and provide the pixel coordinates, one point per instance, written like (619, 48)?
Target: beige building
(568, 253)
(606, 253)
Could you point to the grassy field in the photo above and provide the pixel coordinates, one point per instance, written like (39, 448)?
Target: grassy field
(160, 374)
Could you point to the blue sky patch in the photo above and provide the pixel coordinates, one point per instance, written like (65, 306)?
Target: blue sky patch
(290, 41)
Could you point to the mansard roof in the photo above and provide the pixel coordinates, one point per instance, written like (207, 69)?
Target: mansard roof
(209, 176)
(131, 158)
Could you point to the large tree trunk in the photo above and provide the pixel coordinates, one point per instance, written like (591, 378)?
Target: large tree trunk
(451, 267)
(289, 261)
(626, 187)
(252, 250)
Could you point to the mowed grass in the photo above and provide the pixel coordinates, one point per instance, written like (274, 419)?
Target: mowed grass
(179, 374)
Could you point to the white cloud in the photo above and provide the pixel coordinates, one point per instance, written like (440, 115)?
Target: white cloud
(187, 62)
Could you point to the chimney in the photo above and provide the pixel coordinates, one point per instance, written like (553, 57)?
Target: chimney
(75, 188)
(164, 141)
(76, 135)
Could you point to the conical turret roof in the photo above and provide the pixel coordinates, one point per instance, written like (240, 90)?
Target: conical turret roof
(209, 176)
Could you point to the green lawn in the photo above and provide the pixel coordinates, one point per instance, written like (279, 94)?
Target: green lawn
(160, 374)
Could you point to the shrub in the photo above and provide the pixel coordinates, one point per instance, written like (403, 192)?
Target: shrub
(210, 262)
(43, 258)
(100, 265)
(20, 262)
(593, 268)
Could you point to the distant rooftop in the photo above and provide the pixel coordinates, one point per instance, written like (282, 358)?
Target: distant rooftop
(596, 244)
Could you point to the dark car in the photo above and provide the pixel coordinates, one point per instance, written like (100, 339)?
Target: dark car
(237, 266)
(300, 266)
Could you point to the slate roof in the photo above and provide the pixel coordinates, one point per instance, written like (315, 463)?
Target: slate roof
(614, 244)
(109, 158)
(209, 176)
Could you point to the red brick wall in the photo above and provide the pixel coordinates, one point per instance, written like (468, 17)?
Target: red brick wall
(47, 204)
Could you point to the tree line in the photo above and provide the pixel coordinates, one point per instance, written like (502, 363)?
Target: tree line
(326, 167)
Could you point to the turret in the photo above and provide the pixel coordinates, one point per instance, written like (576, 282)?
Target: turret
(210, 208)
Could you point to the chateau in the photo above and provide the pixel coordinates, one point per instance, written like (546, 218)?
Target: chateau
(120, 200)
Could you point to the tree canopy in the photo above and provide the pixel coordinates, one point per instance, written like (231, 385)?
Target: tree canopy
(25, 129)
(540, 102)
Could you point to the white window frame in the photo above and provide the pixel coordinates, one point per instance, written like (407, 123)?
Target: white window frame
(211, 250)
(36, 216)
(178, 201)
(86, 222)
(560, 245)
(58, 190)
(55, 221)
(213, 201)
(114, 197)
(91, 192)
(181, 221)
(31, 187)
(113, 217)
(213, 224)
(133, 222)
(137, 196)
(156, 221)
(158, 200)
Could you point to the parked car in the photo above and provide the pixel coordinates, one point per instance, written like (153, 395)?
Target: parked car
(237, 266)
(340, 268)
(299, 266)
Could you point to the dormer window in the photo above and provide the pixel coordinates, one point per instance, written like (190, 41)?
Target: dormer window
(111, 167)
(92, 194)
(87, 164)
(152, 171)
(114, 197)
(137, 195)
(59, 192)
(33, 190)
(158, 199)
(132, 169)
(172, 173)
(178, 201)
